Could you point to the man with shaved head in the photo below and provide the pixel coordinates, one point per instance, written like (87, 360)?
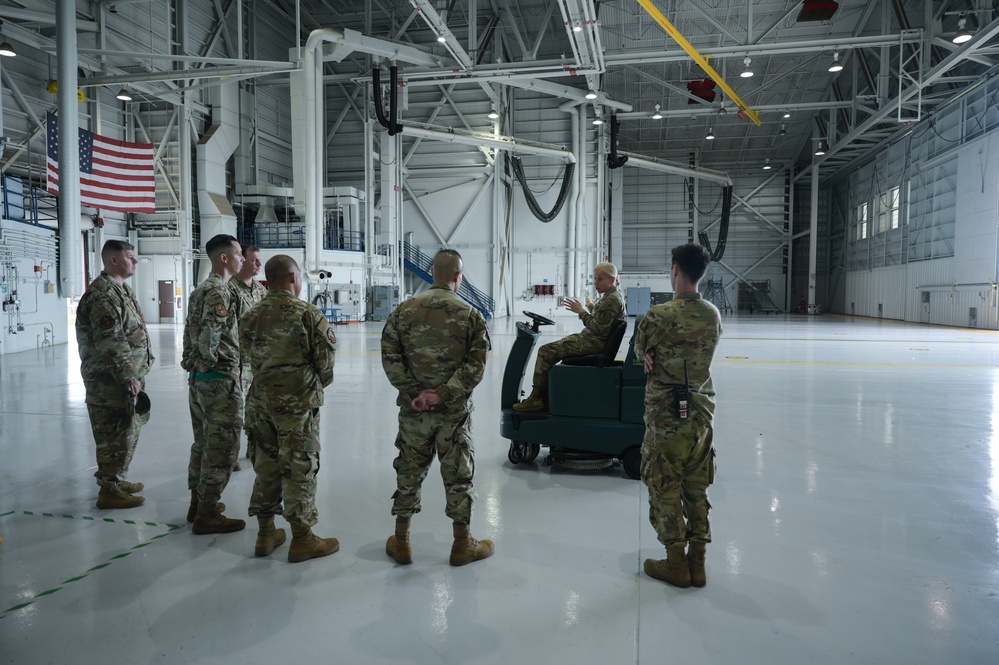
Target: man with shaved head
(434, 349)
(290, 348)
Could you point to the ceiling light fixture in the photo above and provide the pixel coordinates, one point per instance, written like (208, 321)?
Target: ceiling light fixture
(963, 34)
(657, 115)
(836, 65)
(766, 164)
(783, 130)
(598, 121)
(747, 72)
(441, 38)
(823, 147)
(577, 28)
(6, 49)
(787, 114)
(123, 95)
(711, 134)
(493, 115)
(591, 94)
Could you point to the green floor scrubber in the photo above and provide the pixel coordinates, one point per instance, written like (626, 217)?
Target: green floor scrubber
(595, 408)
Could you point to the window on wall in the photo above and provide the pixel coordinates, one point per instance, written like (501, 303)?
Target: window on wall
(862, 221)
(888, 210)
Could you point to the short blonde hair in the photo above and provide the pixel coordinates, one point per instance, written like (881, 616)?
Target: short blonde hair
(607, 268)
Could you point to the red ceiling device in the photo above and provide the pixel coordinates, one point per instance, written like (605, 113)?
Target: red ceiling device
(817, 10)
(702, 89)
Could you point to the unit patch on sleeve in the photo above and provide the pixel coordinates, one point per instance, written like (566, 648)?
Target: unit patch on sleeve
(220, 311)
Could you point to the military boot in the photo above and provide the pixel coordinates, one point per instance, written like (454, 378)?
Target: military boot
(535, 402)
(113, 496)
(398, 546)
(268, 538)
(306, 545)
(211, 520)
(192, 510)
(672, 570)
(695, 561)
(236, 466)
(467, 549)
(131, 488)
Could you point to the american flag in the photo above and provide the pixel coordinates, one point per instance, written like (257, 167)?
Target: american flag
(114, 175)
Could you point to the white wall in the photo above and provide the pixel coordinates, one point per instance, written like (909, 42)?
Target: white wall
(24, 247)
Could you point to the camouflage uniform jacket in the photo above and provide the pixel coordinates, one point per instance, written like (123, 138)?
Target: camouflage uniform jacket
(435, 340)
(291, 348)
(685, 328)
(114, 344)
(211, 333)
(603, 316)
(248, 296)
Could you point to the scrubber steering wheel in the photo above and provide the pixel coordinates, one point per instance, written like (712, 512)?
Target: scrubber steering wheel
(537, 320)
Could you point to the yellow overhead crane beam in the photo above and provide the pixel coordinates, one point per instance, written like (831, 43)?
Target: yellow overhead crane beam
(698, 58)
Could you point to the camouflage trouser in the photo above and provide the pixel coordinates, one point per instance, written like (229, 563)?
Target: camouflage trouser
(286, 461)
(678, 466)
(217, 417)
(247, 379)
(549, 354)
(421, 434)
(115, 427)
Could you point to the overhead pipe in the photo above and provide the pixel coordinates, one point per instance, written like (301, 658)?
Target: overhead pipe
(502, 143)
(702, 173)
(313, 166)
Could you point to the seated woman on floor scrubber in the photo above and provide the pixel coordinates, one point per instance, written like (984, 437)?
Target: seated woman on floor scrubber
(599, 319)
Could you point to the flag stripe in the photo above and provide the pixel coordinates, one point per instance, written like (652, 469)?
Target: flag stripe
(114, 174)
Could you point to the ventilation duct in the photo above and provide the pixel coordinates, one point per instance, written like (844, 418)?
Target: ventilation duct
(215, 148)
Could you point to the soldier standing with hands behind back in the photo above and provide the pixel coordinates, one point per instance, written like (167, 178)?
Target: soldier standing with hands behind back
(434, 349)
(677, 341)
(291, 349)
(115, 357)
(211, 357)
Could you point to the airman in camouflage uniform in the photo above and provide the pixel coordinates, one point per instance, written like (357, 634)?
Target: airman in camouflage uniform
(291, 349)
(248, 292)
(115, 358)
(434, 348)
(599, 320)
(211, 357)
(677, 453)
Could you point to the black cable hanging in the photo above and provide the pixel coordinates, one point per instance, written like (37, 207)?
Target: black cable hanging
(532, 203)
(722, 227)
(613, 161)
(391, 122)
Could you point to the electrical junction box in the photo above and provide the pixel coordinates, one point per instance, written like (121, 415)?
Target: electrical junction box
(49, 287)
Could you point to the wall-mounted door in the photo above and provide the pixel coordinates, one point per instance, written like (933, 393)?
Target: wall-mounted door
(167, 301)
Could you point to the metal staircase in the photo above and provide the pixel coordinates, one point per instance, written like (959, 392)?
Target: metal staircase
(418, 263)
(715, 294)
(763, 301)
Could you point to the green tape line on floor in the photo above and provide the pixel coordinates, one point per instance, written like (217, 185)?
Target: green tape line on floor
(91, 518)
(48, 592)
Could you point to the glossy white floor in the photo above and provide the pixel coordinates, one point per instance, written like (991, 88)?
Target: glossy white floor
(855, 520)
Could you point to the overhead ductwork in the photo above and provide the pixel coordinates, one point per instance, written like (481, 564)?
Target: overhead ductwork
(214, 149)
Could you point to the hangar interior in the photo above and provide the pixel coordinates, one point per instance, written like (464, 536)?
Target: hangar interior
(361, 136)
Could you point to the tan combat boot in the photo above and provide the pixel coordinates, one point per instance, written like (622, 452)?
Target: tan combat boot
(306, 545)
(131, 488)
(268, 538)
(113, 496)
(695, 561)
(211, 520)
(535, 402)
(192, 510)
(672, 570)
(467, 549)
(398, 546)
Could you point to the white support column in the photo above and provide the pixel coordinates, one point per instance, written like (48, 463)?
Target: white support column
(70, 228)
(813, 242)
